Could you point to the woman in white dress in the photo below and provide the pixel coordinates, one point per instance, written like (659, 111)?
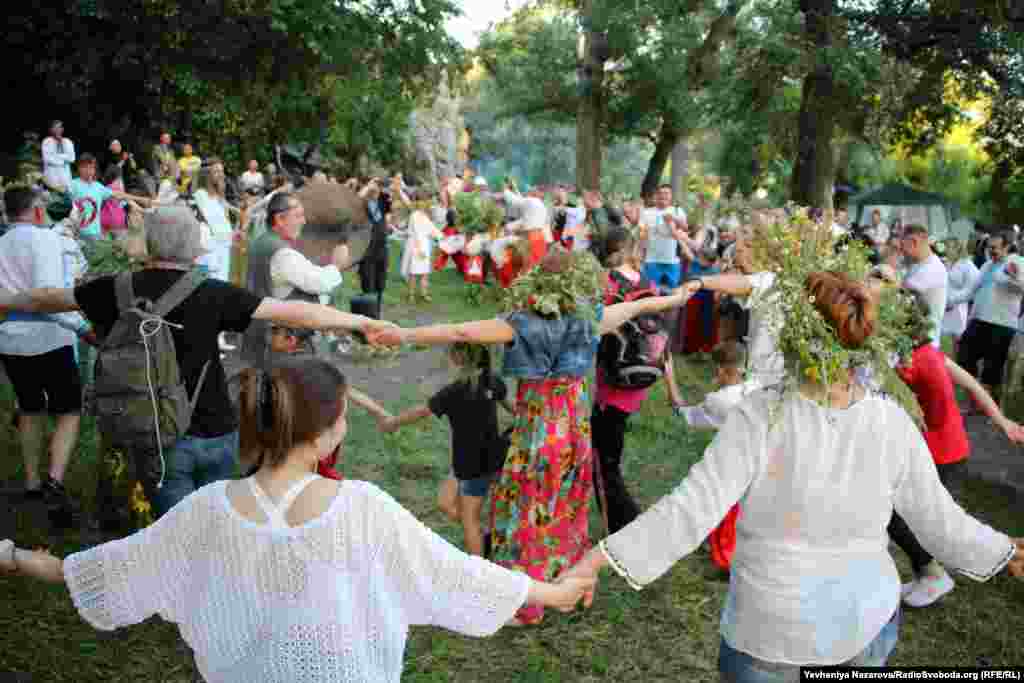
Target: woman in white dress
(416, 261)
(287, 577)
(962, 276)
(818, 473)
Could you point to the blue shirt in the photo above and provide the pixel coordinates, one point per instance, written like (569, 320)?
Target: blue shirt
(97, 192)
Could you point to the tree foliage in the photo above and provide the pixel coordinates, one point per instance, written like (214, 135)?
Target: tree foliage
(237, 73)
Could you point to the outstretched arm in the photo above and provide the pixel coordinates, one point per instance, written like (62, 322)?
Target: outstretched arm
(1014, 432)
(492, 331)
(615, 316)
(369, 405)
(36, 564)
(406, 418)
(310, 316)
(45, 300)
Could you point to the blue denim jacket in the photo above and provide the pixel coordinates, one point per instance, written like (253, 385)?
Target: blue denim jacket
(546, 348)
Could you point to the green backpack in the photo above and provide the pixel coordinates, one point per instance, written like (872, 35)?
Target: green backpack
(140, 398)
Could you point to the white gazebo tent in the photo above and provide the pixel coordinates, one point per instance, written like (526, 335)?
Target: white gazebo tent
(907, 205)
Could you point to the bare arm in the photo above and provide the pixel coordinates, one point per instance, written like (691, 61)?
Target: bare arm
(492, 331)
(736, 285)
(675, 397)
(368, 404)
(988, 405)
(310, 316)
(49, 300)
(615, 316)
(407, 417)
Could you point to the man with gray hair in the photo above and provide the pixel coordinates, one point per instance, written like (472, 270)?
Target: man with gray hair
(38, 351)
(276, 268)
(209, 449)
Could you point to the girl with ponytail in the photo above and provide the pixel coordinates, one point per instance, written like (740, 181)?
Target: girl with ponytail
(287, 576)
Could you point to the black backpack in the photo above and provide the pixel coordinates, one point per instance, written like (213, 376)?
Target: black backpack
(631, 356)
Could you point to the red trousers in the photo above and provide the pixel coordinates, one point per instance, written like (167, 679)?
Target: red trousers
(442, 258)
(723, 539)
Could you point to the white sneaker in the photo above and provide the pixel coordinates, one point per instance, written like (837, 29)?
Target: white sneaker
(224, 346)
(929, 588)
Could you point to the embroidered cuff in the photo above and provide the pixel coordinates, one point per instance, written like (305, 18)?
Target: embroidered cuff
(618, 567)
(1000, 566)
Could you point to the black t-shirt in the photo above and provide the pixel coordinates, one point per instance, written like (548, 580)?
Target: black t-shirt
(472, 411)
(213, 308)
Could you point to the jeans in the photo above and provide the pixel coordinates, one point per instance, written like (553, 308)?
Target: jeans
(738, 667)
(191, 464)
(951, 475)
(608, 432)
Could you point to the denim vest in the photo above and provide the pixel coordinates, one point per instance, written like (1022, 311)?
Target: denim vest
(545, 348)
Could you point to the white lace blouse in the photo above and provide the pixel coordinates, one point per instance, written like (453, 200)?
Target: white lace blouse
(812, 579)
(328, 601)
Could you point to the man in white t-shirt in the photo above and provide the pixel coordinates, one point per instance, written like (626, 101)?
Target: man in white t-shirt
(878, 231)
(926, 275)
(38, 351)
(665, 228)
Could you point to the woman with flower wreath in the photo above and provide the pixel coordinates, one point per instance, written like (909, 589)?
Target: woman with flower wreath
(819, 464)
(540, 503)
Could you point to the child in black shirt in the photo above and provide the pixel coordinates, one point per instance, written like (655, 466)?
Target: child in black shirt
(470, 404)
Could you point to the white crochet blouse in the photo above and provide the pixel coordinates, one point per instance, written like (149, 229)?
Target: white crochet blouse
(329, 601)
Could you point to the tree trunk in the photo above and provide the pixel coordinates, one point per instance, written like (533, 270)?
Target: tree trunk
(680, 169)
(814, 169)
(667, 140)
(590, 120)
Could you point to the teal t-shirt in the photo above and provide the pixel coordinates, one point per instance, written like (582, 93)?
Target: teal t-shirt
(98, 193)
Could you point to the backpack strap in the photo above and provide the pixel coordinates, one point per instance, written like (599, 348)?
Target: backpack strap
(180, 291)
(124, 292)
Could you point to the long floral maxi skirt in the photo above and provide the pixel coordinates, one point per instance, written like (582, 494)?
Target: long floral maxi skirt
(540, 504)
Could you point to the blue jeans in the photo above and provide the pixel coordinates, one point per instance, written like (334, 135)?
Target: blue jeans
(664, 275)
(738, 667)
(191, 464)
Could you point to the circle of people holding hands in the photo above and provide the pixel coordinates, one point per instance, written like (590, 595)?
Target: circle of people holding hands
(293, 573)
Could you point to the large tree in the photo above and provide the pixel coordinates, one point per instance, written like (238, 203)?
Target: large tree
(245, 71)
(616, 70)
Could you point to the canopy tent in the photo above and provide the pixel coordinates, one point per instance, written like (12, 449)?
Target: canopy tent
(907, 205)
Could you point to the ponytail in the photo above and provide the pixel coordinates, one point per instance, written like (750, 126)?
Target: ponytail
(289, 405)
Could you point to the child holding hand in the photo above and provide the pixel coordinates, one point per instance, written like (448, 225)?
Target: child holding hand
(729, 358)
(478, 450)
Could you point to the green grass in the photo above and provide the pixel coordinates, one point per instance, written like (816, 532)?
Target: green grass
(668, 632)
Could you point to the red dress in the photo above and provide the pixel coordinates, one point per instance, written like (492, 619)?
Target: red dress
(928, 378)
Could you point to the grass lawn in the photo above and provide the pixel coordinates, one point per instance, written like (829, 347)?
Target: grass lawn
(667, 632)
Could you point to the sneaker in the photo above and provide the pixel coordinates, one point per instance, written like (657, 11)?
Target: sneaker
(929, 588)
(224, 346)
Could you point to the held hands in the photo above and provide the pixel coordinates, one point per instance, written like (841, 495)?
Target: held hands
(1016, 565)
(384, 333)
(1014, 432)
(569, 590)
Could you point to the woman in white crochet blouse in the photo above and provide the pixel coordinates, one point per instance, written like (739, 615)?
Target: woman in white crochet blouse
(287, 577)
(818, 473)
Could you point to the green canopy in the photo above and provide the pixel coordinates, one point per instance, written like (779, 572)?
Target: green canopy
(903, 203)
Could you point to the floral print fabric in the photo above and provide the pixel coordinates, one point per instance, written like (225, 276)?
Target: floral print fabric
(540, 504)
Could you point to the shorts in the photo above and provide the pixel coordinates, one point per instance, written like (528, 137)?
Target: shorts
(476, 488)
(47, 383)
(664, 275)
